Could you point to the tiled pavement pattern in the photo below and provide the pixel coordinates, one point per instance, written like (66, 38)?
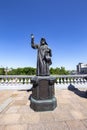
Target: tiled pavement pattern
(70, 114)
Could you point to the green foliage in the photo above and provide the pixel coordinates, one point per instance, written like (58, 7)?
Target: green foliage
(23, 71)
(32, 71)
(58, 71)
(2, 72)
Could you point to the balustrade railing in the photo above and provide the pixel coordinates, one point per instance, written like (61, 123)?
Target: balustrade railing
(19, 82)
(78, 81)
(24, 81)
(68, 79)
(15, 79)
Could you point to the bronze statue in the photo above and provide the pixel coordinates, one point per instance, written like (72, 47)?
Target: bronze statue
(42, 97)
(43, 57)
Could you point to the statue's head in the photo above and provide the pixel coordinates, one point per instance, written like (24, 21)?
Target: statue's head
(43, 41)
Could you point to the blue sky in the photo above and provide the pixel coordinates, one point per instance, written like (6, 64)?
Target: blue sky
(62, 22)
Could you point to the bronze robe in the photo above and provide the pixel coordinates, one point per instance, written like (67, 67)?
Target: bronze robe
(43, 59)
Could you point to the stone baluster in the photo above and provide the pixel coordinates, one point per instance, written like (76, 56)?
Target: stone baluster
(18, 81)
(21, 81)
(25, 81)
(81, 80)
(6, 81)
(58, 81)
(84, 80)
(68, 80)
(2, 81)
(61, 81)
(29, 81)
(78, 80)
(65, 81)
(10, 81)
(71, 81)
(75, 80)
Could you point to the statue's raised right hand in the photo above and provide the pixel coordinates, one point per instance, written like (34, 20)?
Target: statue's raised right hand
(32, 36)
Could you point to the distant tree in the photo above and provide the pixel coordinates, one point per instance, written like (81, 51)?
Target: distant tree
(23, 71)
(52, 71)
(12, 72)
(32, 71)
(58, 71)
(63, 71)
(2, 71)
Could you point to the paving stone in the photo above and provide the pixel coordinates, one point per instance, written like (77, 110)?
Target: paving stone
(4, 95)
(20, 102)
(19, 98)
(55, 126)
(30, 118)
(46, 117)
(38, 126)
(2, 127)
(77, 114)
(76, 125)
(62, 115)
(9, 119)
(65, 107)
(16, 127)
(63, 100)
(5, 104)
(70, 113)
(13, 109)
(25, 109)
(85, 123)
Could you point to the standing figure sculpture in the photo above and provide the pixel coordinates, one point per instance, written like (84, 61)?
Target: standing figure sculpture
(42, 97)
(43, 57)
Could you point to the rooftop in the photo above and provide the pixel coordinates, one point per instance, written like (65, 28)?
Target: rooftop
(70, 113)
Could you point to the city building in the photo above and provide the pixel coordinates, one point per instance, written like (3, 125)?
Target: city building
(82, 68)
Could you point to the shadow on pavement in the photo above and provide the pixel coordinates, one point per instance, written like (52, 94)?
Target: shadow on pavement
(78, 92)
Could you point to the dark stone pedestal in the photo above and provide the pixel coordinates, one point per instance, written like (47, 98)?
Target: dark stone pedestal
(42, 98)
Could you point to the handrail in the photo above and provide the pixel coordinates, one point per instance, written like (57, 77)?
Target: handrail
(16, 76)
(30, 76)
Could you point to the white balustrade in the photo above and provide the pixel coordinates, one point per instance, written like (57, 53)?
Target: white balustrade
(17, 82)
(24, 81)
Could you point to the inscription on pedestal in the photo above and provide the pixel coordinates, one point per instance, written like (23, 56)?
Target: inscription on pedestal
(44, 89)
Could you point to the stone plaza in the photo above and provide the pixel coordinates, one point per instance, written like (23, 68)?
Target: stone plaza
(70, 113)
